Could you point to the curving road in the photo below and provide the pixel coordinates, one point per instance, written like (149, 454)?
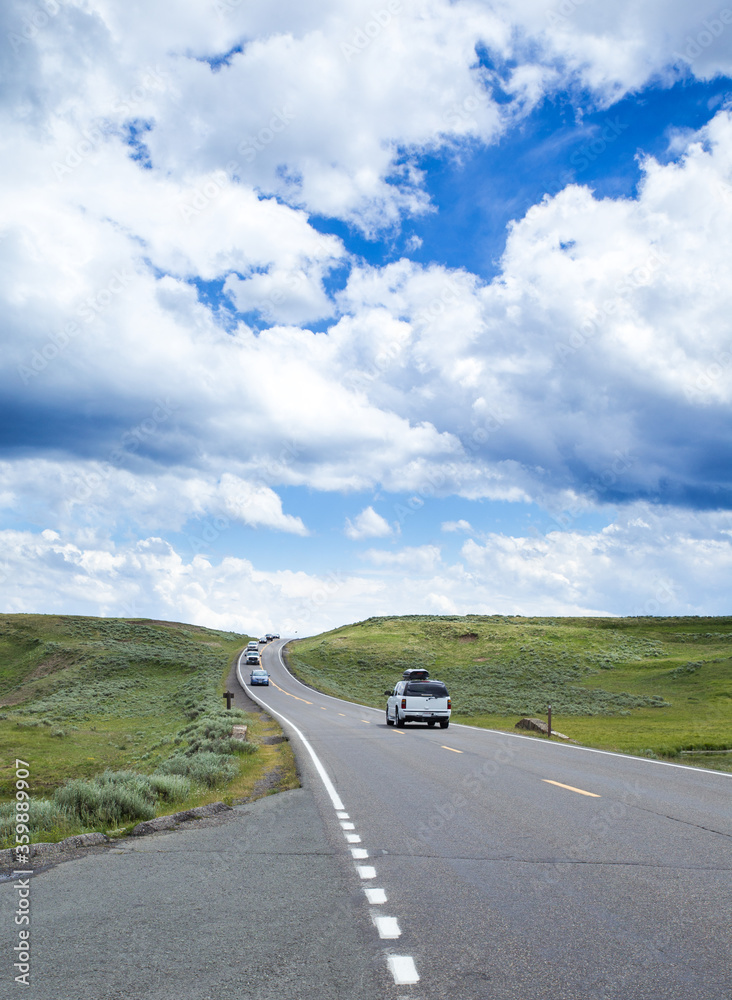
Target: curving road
(499, 866)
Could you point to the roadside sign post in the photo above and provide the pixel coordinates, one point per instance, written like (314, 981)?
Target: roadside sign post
(229, 698)
(549, 724)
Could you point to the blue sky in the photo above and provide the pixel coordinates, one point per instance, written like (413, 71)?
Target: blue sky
(314, 313)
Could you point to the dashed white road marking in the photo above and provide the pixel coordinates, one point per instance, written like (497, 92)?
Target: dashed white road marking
(403, 969)
(387, 927)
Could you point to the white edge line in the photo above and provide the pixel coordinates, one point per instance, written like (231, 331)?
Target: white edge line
(503, 732)
(329, 786)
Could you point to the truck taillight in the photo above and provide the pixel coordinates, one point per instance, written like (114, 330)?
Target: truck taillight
(449, 703)
(404, 702)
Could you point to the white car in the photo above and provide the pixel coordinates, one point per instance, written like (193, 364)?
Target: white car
(252, 657)
(419, 701)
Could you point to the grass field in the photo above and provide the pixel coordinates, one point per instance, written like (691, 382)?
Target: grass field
(121, 720)
(651, 686)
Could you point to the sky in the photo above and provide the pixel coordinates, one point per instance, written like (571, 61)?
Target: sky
(313, 312)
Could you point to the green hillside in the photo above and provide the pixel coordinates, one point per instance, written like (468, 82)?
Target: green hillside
(119, 720)
(650, 686)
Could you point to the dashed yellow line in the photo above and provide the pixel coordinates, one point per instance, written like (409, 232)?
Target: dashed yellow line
(288, 693)
(451, 748)
(366, 721)
(342, 715)
(571, 788)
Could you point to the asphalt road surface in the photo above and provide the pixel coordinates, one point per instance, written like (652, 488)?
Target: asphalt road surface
(498, 866)
(415, 863)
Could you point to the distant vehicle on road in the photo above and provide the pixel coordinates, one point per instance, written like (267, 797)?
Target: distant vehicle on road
(252, 656)
(263, 640)
(259, 677)
(418, 701)
(275, 635)
(253, 644)
(269, 637)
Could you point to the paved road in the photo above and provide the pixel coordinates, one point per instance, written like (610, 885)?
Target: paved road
(514, 867)
(478, 877)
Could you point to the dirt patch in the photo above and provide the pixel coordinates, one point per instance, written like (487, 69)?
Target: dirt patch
(56, 662)
(468, 637)
(50, 666)
(157, 621)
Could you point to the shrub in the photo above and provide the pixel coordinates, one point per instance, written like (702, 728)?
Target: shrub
(107, 799)
(206, 768)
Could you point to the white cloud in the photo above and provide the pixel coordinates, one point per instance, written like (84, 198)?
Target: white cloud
(420, 559)
(367, 524)
(596, 367)
(461, 525)
(679, 565)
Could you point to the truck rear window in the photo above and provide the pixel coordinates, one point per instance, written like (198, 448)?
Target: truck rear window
(432, 688)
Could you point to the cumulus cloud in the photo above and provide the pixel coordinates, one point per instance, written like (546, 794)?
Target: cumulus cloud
(367, 524)
(461, 525)
(160, 268)
(654, 561)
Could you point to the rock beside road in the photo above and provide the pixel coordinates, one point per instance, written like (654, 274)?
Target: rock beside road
(539, 727)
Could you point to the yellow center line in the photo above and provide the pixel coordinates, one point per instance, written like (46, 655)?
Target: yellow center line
(288, 693)
(451, 748)
(366, 721)
(323, 708)
(571, 788)
(342, 715)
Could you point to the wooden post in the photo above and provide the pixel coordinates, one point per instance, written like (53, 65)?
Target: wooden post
(229, 698)
(549, 724)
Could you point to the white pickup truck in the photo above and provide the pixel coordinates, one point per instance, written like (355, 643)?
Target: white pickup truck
(418, 701)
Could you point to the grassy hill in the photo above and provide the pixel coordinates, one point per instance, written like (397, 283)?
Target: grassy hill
(120, 720)
(650, 686)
